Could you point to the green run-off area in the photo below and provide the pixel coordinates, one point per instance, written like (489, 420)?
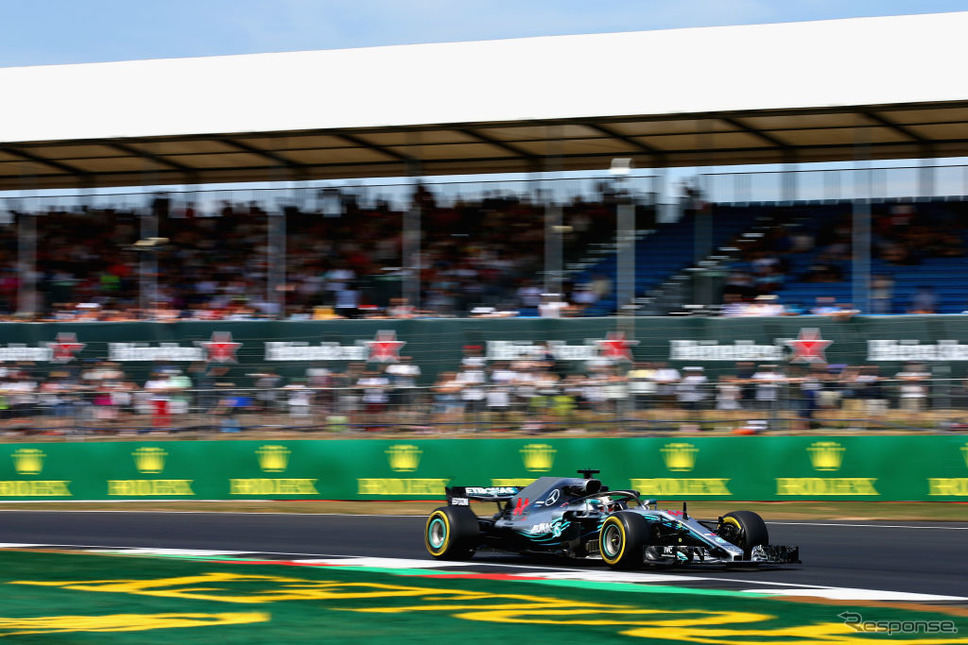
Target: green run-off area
(79, 598)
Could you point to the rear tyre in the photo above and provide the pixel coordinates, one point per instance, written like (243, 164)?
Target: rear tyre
(745, 529)
(451, 533)
(623, 538)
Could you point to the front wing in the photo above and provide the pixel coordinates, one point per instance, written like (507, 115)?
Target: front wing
(776, 554)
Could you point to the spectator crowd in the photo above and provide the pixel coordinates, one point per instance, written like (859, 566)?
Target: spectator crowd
(814, 245)
(342, 258)
(537, 394)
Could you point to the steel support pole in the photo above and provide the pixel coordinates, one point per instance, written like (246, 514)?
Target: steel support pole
(410, 244)
(926, 173)
(661, 194)
(625, 265)
(276, 266)
(148, 264)
(702, 221)
(861, 222)
(790, 182)
(657, 190)
(550, 200)
(27, 304)
(411, 256)
(553, 245)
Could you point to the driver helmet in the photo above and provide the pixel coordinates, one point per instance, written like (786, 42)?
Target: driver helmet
(600, 504)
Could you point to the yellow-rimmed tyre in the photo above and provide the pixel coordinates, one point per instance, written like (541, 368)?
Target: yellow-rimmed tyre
(451, 533)
(622, 539)
(745, 529)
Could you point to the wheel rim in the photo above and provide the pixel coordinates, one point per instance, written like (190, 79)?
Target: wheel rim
(437, 533)
(611, 541)
(731, 531)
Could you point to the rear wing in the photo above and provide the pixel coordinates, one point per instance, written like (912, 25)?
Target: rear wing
(461, 495)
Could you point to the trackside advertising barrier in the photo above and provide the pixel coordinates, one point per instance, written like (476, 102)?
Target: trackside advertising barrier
(290, 347)
(891, 468)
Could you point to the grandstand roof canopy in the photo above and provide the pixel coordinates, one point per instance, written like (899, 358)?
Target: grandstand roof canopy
(793, 92)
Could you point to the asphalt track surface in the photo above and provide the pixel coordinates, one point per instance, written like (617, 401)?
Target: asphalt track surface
(916, 557)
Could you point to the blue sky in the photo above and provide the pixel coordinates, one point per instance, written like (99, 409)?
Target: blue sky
(46, 32)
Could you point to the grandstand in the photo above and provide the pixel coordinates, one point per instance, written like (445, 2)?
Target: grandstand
(209, 271)
(926, 253)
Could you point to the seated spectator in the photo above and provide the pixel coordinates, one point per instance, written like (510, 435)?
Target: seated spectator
(765, 305)
(801, 241)
(768, 279)
(924, 301)
(739, 286)
(899, 254)
(949, 244)
(400, 308)
(552, 306)
(823, 272)
(601, 285)
(828, 306)
(582, 296)
(733, 305)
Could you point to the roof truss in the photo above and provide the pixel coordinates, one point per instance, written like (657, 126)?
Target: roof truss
(698, 139)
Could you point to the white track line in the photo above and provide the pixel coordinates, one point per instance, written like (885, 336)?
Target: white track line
(875, 526)
(846, 593)
(611, 576)
(771, 587)
(384, 563)
(149, 551)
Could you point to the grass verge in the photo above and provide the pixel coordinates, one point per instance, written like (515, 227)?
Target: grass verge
(83, 598)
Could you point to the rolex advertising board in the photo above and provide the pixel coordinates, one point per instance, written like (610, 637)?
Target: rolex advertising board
(890, 468)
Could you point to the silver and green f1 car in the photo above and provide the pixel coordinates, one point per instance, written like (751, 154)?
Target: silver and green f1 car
(578, 517)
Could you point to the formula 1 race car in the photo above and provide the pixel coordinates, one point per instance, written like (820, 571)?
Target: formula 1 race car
(579, 518)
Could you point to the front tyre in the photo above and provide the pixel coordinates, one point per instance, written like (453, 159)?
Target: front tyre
(622, 540)
(745, 529)
(451, 533)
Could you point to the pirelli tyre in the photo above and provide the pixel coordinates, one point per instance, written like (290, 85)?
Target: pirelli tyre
(745, 529)
(451, 533)
(623, 538)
